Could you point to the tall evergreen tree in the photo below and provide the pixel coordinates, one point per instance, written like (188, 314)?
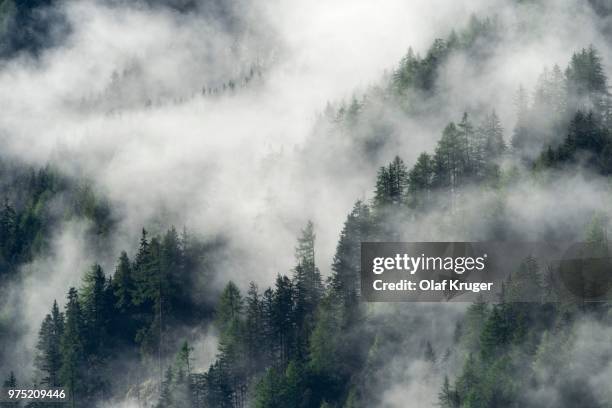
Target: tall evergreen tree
(392, 184)
(346, 264)
(254, 330)
(587, 82)
(307, 287)
(520, 135)
(467, 145)
(73, 348)
(10, 382)
(48, 359)
(123, 283)
(283, 318)
(421, 181)
(95, 308)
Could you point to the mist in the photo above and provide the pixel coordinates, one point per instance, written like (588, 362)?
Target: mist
(125, 101)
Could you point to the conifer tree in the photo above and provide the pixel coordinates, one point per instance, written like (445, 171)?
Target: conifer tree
(254, 330)
(494, 140)
(520, 135)
(586, 81)
(73, 347)
(421, 181)
(391, 184)
(48, 359)
(10, 382)
(467, 145)
(283, 318)
(430, 354)
(307, 287)
(346, 263)
(448, 398)
(270, 343)
(123, 283)
(95, 308)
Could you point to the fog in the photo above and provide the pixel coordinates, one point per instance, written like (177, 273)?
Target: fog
(120, 102)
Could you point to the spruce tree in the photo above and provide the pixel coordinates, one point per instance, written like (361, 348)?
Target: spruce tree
(10, 382)
(420, 181)
(345, 281)
(254, 330)
(307, 287)
(123, 283)
(283, 318)
(95, 308)
(73, 347)
(520, 135)
(48, 360)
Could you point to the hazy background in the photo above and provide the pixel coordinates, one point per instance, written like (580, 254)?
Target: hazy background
(119, 100)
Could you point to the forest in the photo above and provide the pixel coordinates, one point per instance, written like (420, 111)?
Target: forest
(127, 335)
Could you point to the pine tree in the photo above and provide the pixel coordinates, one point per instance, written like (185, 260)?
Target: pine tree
(450, 162)
(391, 184)
(283, 318)
(73, 347)
(184, 358)
(490, 146)
(468, 383)
(95, 308)
(383, 187)
(230, 306)
(307, 287)
(268, 390)
(271, 346)
(48, 359)
(165, 398)
(520, 135)
(467, 145)
(325, 341)
(586, 81)
(421, 181)
(447, 397)
(8, 234)
(497, 331)
(123, 283)
(231, 358)
(430, 354)
(254, 330)
(475, 319)
(345, 280)
(398, 179)
(10, 382)
(182, 392)
(524, 284)
(174, 283)
(494, 132)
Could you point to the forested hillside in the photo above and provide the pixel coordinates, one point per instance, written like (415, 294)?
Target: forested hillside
(309, 341)
(445, 156)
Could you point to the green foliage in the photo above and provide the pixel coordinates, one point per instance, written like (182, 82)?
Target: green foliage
(73, 347)
(587, 143)
(302, 343)
(27, 214)
(358, 228)
(420, 74)
(391, 184)
(48, 359)
(230, 307)
(586, 81)
(448, 397)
